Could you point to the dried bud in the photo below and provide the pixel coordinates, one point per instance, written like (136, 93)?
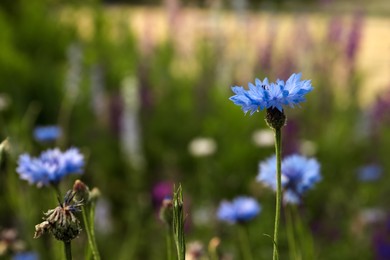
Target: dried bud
(275, 119)
(195, 251)
(94, 194)
(61, 221)
(81, 191)
(214, 244)
(166, 213)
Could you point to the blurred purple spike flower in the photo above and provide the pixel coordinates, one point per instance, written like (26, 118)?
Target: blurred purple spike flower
(240, 210)
(265, 53)
(335, 30)
(298, 175)
(354, 37)
(301, 33)
(50, 167)
(275, 95)
(47, 133)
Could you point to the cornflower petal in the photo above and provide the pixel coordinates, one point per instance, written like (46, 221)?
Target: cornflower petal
(253, 99)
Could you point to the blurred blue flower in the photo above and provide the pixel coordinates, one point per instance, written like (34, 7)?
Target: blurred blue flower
(381, 241)
(47, 133)
(242, 209)
(25, 256)
(271, 95)
(371, 172)
(50, 167)
(298, 175)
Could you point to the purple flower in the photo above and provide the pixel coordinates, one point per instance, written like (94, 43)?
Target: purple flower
(381, 242)
(161, 191)
(241, 209)
(50, 167)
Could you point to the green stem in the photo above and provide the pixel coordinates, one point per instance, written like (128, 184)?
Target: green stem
(92, 227)
(178, 223)
(290, 234)
(278, 151)
(89, 229)
(169, 243)
(57, 190)
(304, 235)
(68, 250)
(244, 242)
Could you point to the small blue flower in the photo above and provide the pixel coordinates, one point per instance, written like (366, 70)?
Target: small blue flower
(25, 256)
(50, 167)
(242, 209)
(264, 95)
(47, 133)
(371, 172)
(298, 175)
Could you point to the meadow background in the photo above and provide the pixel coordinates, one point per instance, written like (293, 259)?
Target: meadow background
(143, 91)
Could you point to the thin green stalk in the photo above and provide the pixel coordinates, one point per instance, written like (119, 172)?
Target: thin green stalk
(278, 151)
(57, 190)
(178, 223)
(168, 240)
(305, 238)
(244, 242)
(290, 234)
(68, 250)
(92, 225)
(89, 229)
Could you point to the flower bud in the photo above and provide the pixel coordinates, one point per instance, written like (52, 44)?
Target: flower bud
(275, 118)
(94, 194)
(166, 214)
(81, 191)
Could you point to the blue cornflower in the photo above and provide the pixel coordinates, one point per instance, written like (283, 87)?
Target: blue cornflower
(371, 172)
(50, 167)
(298, 175)
(242, 209)
(264, 95)
(47, 133)
(25, 256)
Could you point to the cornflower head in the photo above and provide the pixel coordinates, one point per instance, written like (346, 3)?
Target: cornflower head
(25, 256)
(272, 96)
(299, 174)
(61, 221)
(47, 133)
(370, 172)
(240, 210)
(50, 167)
